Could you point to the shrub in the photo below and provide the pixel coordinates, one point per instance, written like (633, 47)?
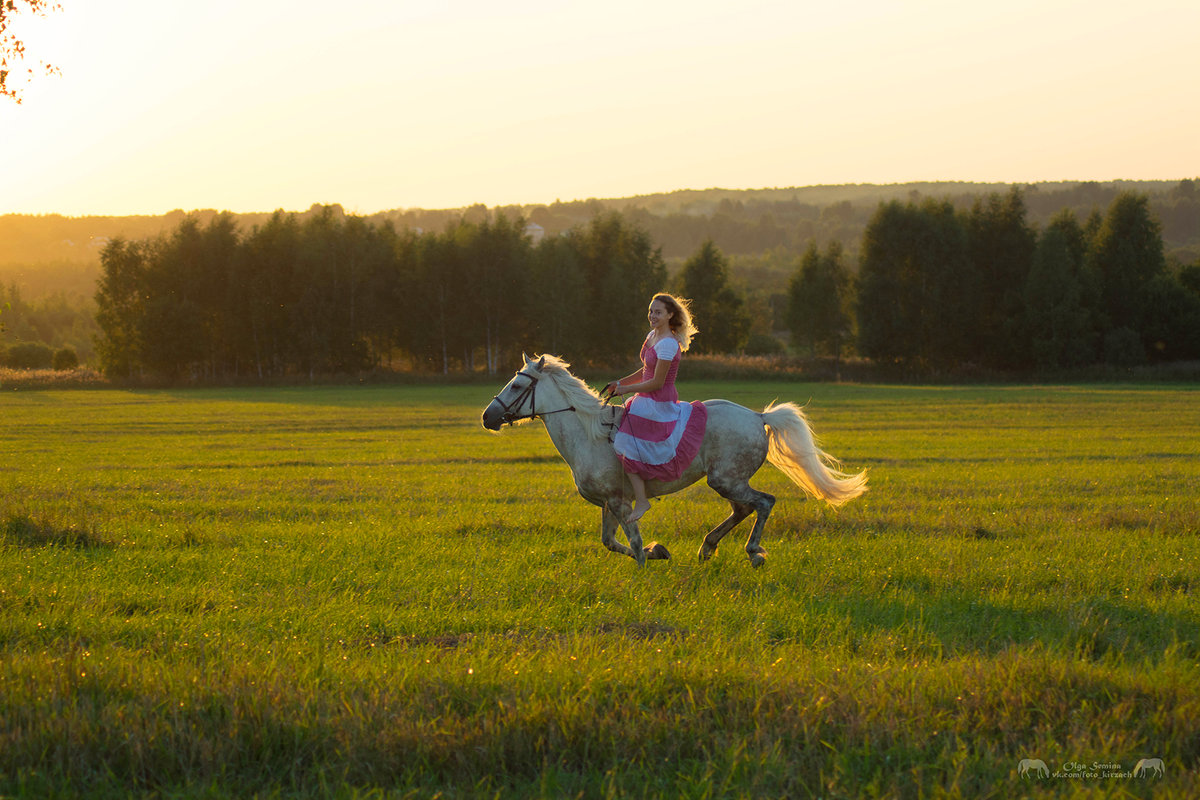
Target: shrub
(30, 355)
(65, 359)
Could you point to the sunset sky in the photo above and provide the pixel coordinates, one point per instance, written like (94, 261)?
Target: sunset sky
(253, 105)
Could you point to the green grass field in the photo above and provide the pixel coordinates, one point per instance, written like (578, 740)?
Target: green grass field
(357, 592)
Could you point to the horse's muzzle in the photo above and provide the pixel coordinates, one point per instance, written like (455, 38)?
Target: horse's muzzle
(493, 416)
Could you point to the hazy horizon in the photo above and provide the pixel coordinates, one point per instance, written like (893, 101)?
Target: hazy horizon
(835, 191)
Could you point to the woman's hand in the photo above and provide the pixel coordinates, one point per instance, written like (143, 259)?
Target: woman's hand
(613, 389)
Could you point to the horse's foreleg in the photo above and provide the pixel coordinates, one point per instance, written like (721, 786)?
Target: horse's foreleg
(608, 532)
(613, 516)
(632, 532)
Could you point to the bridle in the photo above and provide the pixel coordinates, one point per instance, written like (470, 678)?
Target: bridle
(511, 415)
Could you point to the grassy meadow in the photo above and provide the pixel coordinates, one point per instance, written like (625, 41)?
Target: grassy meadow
(358, 592)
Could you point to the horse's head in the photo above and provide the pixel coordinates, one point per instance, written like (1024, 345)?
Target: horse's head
(516, 400)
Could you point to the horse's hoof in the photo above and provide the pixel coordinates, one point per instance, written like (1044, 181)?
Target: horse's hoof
(758, 559)
(656, 551)
(706, 553)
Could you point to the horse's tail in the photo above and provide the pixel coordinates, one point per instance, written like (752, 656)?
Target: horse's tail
(792, 448)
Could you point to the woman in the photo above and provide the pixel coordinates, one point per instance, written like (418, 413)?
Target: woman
(658, 436)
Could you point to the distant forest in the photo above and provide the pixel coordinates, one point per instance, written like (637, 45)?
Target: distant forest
(759, 242)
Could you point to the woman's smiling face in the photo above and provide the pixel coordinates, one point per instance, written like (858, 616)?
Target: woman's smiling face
(658, 315)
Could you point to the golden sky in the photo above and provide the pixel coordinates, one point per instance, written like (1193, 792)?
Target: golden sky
(253, 105)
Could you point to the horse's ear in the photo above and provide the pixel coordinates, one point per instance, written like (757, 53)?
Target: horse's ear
(526, 359)
(541, 363)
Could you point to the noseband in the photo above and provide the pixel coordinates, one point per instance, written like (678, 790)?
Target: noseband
(511, 410)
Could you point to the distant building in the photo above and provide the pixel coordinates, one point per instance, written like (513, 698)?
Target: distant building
(535, 232)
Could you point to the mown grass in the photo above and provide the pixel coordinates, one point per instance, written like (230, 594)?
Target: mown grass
(357, 592)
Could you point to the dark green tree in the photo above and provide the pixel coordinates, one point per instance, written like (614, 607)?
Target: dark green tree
(120, 306)
(718, 309)
(217, 282)
(622, 269)
(408, 321)
(556, 298)
(818, 297)
(1126, 258)
(497, 259)
(1000, 250)
(367, 251)
(912, 297)
(184, 315)
(270, 287)
(1189, 276)
(170, 323)
(440, 300)
(1060, 297)
(1171, 331)
(320, 319)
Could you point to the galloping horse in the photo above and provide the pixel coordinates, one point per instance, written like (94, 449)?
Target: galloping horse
(736, 443)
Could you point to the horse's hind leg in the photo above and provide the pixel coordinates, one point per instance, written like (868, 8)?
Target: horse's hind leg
(762, 506)
(743, 498)
(712, 540)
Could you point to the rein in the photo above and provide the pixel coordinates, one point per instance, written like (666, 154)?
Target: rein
(512, 410)
(612, 417)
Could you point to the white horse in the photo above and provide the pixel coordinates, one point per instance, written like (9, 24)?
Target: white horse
(1148, 765)
(1036, 764)
(736, 442)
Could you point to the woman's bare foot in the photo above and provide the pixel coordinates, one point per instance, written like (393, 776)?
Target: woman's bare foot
(639, 508)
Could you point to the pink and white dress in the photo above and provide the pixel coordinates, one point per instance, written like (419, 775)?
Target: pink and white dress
(659, 436)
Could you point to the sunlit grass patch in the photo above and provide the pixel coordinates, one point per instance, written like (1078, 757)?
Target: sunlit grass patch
(358, 592)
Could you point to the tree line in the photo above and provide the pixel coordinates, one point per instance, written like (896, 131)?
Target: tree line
(763, 233)
(935, 287)
(943, 287)
(337, 294)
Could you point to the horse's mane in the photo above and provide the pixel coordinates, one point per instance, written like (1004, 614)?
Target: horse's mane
(586, 400)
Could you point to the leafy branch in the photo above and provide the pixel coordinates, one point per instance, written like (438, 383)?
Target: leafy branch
(12, 47)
